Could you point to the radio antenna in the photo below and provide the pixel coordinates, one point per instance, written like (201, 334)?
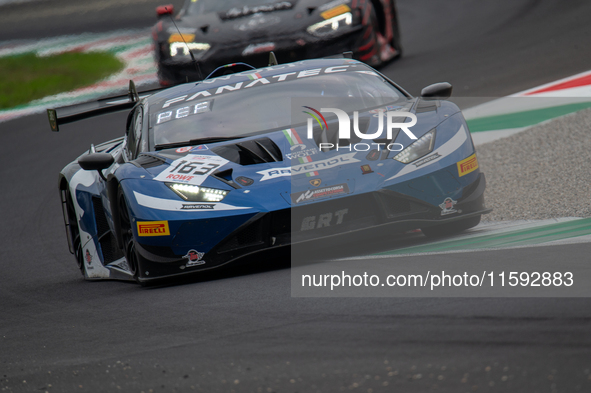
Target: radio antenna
(195, 64)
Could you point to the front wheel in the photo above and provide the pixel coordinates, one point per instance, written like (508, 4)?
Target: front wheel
(451, 228)
(74, 231)
(129, 246)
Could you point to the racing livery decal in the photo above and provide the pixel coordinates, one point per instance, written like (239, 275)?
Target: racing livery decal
(153, 228)
(447, 207)
(314, 166)
(365, 169)
(296, 143)
(194, 258)
(173, 205)
(191, 169)
(324, 192)
(468, 165)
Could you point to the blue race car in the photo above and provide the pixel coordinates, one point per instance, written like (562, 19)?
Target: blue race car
(240, 163)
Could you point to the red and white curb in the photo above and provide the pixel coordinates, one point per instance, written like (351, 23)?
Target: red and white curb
(575, 89)
(133, 47)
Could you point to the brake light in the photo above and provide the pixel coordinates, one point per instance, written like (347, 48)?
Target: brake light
(165, 10)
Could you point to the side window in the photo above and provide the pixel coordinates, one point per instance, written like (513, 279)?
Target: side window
(134, 135)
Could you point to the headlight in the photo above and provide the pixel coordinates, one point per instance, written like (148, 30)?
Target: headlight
(421, 147)
(178, 47)
(331, 25)
(182, 49)
(197, 194)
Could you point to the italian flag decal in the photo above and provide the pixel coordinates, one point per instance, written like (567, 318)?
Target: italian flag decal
(294, 139)
(254, 76)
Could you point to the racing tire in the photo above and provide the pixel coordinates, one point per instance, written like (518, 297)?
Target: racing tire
(129, 246)
(74, 232)
(375, 60)
(396, 41)
(451, 228)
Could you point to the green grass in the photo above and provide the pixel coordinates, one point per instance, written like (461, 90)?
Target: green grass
(26, 77)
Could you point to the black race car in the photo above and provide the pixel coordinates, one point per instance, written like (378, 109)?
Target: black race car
(217, 32)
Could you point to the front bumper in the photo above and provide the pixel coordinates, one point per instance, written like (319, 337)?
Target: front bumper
(348, 219)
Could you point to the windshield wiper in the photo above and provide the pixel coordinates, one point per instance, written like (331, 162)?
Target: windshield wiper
(198, 141)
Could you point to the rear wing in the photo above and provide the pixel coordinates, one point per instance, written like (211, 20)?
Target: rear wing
(72, 113)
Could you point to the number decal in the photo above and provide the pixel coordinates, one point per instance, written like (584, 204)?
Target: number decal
(191, 169)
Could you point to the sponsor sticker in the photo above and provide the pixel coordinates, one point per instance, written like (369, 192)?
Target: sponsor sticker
(310, 167)
(298, 149)
(301, 153)
(182, 112)
(338, 10)
(323, 220)
(208, 93)
(194, 258)
(426, 160)
(274, 173)
(153, 228)
(447, 207)
(191, 169)
(198, 206)
(365, 169)
(185, 149)
(324, 192)
(245, 10)
(467, 165)
(315, 182)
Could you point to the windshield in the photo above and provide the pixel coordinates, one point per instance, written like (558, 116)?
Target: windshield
(268, 107)
(198, 7)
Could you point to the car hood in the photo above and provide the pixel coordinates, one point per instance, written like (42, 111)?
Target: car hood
(241, 24)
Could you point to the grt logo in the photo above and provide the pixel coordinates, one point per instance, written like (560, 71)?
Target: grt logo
(323, 220)
(395, 120)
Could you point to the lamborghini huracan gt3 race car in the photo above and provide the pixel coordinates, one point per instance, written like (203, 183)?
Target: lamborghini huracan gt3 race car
(209, 172)
(218, 32)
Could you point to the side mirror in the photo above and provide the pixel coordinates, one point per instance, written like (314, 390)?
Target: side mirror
(437, 91)
(96, 162)
(164, 10)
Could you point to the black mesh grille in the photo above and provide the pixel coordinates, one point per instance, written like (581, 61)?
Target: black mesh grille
(110, 250)
(468, 190)
(400, 206)
(251, 235)
(397, 204)
(280, 222)
(108, 244)
(102, 226)
(165, 252)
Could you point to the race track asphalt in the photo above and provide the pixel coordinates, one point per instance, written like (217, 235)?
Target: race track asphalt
(241, 330)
